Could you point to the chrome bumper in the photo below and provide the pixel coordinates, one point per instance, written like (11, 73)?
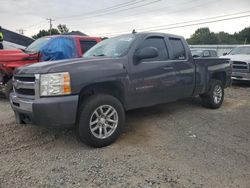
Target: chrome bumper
(51, 111)
(21, 105)
(241, 76)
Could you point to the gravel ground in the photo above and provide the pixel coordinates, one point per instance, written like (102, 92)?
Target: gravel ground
(175, 145)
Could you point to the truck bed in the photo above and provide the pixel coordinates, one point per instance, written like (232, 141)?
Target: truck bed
(206, 68)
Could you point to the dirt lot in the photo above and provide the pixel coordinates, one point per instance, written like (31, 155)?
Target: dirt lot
(176, 145)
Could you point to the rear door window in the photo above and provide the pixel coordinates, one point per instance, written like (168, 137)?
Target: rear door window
(179, 52)
(87, 44)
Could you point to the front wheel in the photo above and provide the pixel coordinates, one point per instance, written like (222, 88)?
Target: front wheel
(215, 96)
(100, 121)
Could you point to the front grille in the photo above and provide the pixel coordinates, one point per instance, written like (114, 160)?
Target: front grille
(25, 78)
(26, 91)
(24, 86)
(240, 65)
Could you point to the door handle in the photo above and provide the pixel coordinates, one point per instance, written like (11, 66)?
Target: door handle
(168, 68)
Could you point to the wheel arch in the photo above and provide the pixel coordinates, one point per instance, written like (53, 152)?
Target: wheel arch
(221, 76)
(114, 88)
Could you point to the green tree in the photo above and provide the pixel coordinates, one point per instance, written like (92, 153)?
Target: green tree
(43, 33)
(203, 36)
(63, 28)
(243, 36)
(225, 38)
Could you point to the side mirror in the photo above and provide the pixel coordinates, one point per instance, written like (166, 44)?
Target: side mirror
(224, 53)
(146, 53)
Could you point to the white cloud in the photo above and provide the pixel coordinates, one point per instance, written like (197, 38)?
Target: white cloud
(16, 14)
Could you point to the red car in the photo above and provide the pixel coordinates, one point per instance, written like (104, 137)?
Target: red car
(44, 49)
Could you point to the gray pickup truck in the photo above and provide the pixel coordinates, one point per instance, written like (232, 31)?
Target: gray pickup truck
(126, 72)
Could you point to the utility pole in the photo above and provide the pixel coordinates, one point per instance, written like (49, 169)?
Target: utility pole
(20, 31)
(50, 24)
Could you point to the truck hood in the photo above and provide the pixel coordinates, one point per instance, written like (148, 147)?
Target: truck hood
(66, 65)
(16, 58)
(245, 58)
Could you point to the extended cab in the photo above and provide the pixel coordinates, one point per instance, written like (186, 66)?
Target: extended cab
(44, 49)
(118, 74)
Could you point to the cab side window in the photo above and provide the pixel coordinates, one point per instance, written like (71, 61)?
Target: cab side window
(178, 49)
(159, 44)
(86, 45)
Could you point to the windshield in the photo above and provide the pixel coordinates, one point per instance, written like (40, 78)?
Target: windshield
(240, 50)
(196, 53)
(113, 47)
(38, 44)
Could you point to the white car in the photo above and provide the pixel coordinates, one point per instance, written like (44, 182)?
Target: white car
(240, 57)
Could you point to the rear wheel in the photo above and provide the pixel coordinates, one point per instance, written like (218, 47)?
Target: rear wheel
(215, 96)
(101, 118)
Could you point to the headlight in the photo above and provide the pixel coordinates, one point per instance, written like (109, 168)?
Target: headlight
(55, 84)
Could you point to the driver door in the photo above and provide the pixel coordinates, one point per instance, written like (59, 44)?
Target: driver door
(153, 80)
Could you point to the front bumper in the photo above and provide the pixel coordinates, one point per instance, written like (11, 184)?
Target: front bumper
(244, 76)
(50, 111)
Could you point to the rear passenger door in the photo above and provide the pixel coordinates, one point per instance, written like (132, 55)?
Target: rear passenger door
(184, 66)
(86, 45)
(153, 79)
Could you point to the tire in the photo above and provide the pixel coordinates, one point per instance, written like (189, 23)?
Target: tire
(90, 110)
(214, 97)
(8, 89)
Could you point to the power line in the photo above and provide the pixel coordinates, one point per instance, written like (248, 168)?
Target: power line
(121, 10)
(201, 23)
(118, 6)
(155, 10)
(143, 5)
(33, 25)
(204, 19)
(42, 26)
(214, 17)
(121, 5)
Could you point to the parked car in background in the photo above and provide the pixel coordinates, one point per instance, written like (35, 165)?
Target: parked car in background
(203, 53)
(240, 57)
(118, 74)
(44, 49)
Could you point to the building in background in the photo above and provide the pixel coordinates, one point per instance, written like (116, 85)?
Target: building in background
(14, 40)
(76, 33)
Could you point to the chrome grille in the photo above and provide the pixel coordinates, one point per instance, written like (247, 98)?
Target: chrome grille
(24, 86)
(240, 65)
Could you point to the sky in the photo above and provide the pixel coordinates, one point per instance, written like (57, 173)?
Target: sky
(113, 17)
